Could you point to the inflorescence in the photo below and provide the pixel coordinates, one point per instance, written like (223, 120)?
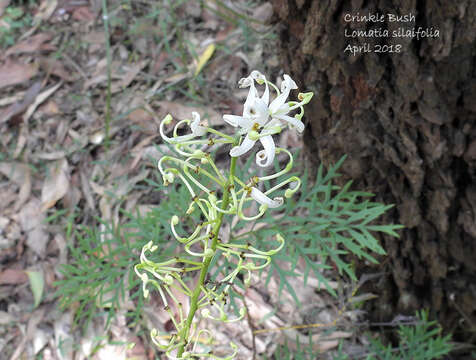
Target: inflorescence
(261, 120)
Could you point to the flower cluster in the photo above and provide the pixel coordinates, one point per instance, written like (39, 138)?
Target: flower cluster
(261, 119)
(215, 194)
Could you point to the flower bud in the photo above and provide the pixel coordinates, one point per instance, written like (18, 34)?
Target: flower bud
(168, 279)
(175, 220)
(206, 313)
(168, 178)
(305, 97)
(168, 119)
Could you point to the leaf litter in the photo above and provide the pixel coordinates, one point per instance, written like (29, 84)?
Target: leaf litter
(56, 162)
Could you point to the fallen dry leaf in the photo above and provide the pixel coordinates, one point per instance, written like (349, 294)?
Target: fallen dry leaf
(19, 174)
(39, 99)
(63, 326)
(86, 189)
(14, 72)
(32, 44)
(33, 322)
(55, 67)
(13, 277)
(263, 14)
(71, 198)
(40, 341)
(139, 149)
(6, 318)
(204, 58)
(127, 74)
(47, 8)
(54, 155)
(95, 37)
(9, 195)
(31, 221)
(126, 186)
(140, 116)
(83, 13)
(50, 108)
(145, 119)
(8, 100)
(24, 133)
(63, 251)
(21, 106)
(76, 142)
(176, 78)
(56, 184)
(21, 141)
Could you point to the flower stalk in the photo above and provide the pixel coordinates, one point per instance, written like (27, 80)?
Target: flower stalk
(261, 120)
(206, 263)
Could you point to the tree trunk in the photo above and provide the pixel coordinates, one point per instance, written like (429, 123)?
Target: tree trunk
(406, 118)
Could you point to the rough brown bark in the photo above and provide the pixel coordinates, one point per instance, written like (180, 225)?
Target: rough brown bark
(408, 123)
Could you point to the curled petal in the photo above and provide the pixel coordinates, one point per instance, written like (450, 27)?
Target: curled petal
(256, 75)
(252, 95)
(298, 124)
(264, 200)
(183, 138)
(176, 139)
(265, 157)
(236, 121)
(294, 186)
(277, 104)
(197, 129)
(245, 146)
(288, 84)
(260, 79)
(168, 178)
(245, 82)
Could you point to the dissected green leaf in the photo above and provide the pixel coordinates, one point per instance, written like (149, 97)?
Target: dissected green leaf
(337, 222)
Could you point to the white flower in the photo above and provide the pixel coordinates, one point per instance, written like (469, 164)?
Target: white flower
(197, 129)
(261, 198)
(261, 119)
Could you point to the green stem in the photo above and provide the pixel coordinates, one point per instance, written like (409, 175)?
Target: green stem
(183, 335)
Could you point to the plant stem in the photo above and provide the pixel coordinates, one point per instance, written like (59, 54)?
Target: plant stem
(203, 273)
